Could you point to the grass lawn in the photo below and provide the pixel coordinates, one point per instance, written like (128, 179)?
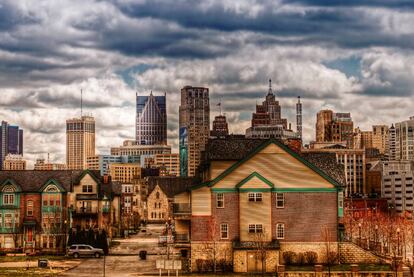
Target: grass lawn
(30, 272)
(4, 259)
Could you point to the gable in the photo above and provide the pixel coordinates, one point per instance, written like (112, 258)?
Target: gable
(9, 185)
(255, 181)
(280, 166)
(52, 186)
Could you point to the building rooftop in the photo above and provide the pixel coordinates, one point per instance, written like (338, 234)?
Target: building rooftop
(170, 185)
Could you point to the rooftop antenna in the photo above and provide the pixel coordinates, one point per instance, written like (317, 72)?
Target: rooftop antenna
(270, 87)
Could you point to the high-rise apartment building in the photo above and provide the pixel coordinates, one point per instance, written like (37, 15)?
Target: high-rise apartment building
(102, 162)
(41, 164)
(404, 140)
(169, 164)
(151, 120)
(354, 163)
(11, 141)
(194, 127)
(397, 184)
(380, 137)
(80, 141)
(14, 162)
(220, 127)
(334, 127)
(362, 139)
(124, 172)
(299, 118)
(391, 146)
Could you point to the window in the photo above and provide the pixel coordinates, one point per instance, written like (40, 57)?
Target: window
(280, 231)
(87, 188)
(224, 231)
(8, 199)
(340, 199)
(29, 208)
(8, 220)
(157, 195)
(255, 196)
(220, 200)
(255, 228)
(280, 200)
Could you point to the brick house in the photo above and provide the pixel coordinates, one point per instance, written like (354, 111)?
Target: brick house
(257, 192)
(37, 208)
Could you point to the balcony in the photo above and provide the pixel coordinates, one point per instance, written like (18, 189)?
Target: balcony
(252, 245)
(182, 238)
(8, 230)
(85, 211)
(105, 209)
(182, 211)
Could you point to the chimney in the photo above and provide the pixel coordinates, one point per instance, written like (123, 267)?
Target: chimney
(106, 179)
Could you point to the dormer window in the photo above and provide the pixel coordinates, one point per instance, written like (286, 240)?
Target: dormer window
(255, 197)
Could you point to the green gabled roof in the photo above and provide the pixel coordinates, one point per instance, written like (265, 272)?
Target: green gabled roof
(260, 148)
(87, 171)
(10, 182)
(255, 174)
(54, 182)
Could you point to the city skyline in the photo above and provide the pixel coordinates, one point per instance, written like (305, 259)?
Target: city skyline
(368, 63)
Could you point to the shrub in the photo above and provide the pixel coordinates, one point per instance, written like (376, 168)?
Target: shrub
(199, 263)
(300, 259)
(332, 257)
(311, 257)
(289, 257)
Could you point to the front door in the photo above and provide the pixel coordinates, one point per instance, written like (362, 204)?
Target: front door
(254, 263)
(29, 234)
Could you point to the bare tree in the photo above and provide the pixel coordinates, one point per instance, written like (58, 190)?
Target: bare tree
(330, 254)
(261, 246)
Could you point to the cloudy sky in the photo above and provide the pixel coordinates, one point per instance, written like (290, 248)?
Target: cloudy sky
(352, 56)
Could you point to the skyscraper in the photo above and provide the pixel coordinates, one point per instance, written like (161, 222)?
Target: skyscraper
(80, 141)
(151, 120)
(380, 137)
(404, 140)
(194, 127)
(334, 127)
(220, 126)
(267, 121)
(11, 141)
(390, 149)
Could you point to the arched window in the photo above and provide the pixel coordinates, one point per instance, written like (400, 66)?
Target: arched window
(8, 195)
(157, 195)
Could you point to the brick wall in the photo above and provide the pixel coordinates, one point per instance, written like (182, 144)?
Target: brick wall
(305, 215)
(37, 206)
(200, 228)
(227, 215)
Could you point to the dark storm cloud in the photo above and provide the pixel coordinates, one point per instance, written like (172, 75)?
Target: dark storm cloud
(357, 3)
(10, 17)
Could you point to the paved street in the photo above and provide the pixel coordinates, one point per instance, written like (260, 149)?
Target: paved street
(123, 260)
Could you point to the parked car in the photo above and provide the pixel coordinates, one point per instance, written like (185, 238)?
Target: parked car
(84, 250)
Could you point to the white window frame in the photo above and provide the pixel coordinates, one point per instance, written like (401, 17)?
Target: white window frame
(30, 208)
(224, 228)
(255, 228)
(220, 199)
(6, 216)
(255, 197)
(7, 199)
(282, 200)
(280, 231)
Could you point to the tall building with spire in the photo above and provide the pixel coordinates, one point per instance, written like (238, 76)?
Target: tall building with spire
(80, 141)
(267, 121)
(194, 127)
(11, 141)
(220, 126)
(151, 120)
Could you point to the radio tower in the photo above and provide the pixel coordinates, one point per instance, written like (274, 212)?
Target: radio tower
(299, 118)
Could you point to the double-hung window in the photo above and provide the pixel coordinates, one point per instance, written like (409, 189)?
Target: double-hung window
(224, 231)
(280, 200)
(255, 196)
(29, 208)
(255, 228)
(220, 200)
(280, 231)
(8, 199)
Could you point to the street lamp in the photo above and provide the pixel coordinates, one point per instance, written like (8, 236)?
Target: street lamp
(376, 237)
(359, 230)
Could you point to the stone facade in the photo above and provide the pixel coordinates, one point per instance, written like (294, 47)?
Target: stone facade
(158, 206)
(351, 253)
(206, 250)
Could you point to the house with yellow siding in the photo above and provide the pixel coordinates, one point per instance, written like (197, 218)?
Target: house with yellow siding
(260, 194)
